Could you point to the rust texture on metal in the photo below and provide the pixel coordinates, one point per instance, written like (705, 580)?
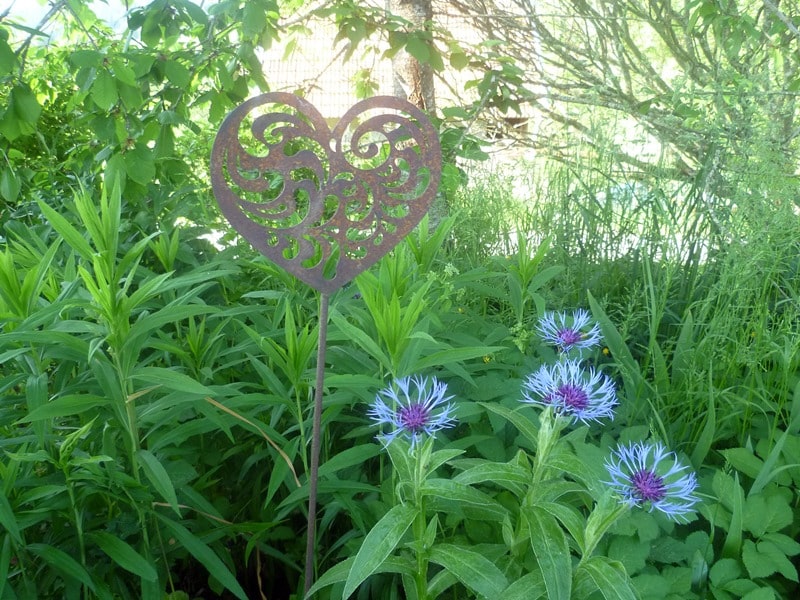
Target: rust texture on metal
(325, 204)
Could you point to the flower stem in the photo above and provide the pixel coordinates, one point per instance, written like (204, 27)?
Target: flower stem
(421, 578)
(605, 514)
(550, 427)
(421, 454)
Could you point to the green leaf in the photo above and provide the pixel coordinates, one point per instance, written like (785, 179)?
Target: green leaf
(731, 495)
(378, 545)
(450, 496)
(765, 559)
(400, 456)
(115, 173)
(452, 355)
(157, 474)
(36, 394)
(124, 555)
(86, 58)
(338, 573)
(254, 19)
(75, 240)
(768, 470)
(569, 517)
(8, 520)
(519, 420)
(786, 544)
(552, 553)
(10, 126)
(766, 513)
(62, 562)
(606, 576)
(723, 571)
(104, 90)
(172, 380)
(8, 60)
(177, 73)
(744, 461)
(440, 457)
(71, 441)
(762, 593)
(349, 457)
(5, 563)
(353, 333)
(472, 569)
(205, 556)
(510, 476)
(139, 165)
(65, 406)
(419, 48)
(10, 186)
(26, 106)
(123, 72)
(706, 438)
(527, 587)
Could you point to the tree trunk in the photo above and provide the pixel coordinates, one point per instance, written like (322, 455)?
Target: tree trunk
(413, 80)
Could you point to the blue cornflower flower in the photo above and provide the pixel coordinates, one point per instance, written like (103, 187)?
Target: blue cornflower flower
(412, 412)
(647, 475)
(567, 333)
(582, 394)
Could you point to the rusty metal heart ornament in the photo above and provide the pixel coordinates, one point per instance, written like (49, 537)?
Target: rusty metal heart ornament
(325, 204)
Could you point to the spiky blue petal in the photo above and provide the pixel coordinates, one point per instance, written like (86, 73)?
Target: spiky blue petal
(581, 394)
(569, 332)
(647, 475)
(413, 407)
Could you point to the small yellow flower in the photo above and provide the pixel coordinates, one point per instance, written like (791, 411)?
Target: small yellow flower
(606, 351)
(487, 359)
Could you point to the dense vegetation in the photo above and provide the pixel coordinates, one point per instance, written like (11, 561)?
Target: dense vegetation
(156, 388)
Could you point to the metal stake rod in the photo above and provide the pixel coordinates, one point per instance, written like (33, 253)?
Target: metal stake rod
(316, 436)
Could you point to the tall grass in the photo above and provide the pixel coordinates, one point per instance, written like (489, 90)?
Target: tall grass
(703, 289)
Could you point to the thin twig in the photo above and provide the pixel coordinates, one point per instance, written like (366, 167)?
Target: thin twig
(783, 18)
(264, 435)
(200, 512)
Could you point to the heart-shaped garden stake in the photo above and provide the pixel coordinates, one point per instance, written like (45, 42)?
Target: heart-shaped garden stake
(325, 204)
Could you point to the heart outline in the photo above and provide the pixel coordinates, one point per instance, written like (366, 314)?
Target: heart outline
(321, 184)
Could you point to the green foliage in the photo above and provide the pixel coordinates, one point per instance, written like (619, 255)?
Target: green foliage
(155, 388)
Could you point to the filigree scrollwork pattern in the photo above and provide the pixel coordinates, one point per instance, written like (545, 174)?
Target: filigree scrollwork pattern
(325, 204)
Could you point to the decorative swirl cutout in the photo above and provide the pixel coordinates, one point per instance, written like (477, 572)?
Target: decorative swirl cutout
(325, 205)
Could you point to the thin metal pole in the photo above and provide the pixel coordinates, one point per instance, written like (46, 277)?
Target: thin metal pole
(316, 435)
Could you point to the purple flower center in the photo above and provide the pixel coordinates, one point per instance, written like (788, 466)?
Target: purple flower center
(574, 397)
(414, 417)
(569, 337)
(648, 486)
